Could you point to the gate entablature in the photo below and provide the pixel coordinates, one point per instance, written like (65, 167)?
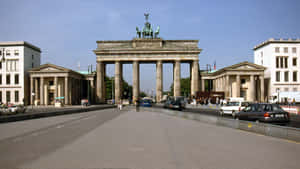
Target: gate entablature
(147, 50)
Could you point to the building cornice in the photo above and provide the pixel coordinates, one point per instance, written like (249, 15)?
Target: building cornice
(272, 40)
(20, 43)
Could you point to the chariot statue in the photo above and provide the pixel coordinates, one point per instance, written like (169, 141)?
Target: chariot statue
(147, 31)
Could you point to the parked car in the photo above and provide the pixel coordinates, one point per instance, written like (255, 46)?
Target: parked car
(146, 103)
(175, 103)
(232, 107)
(264, 112)
(12, 109)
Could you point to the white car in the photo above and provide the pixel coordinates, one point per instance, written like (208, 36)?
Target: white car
(233, 107)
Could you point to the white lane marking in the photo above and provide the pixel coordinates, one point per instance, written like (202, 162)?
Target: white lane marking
(17, 139)
(59, 126)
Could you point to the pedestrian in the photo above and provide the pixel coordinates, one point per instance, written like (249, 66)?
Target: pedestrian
(137, 105)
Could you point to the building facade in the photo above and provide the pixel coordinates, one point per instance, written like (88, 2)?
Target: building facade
(239, 80)
(16, 58)
(50, 82)
(281, 57)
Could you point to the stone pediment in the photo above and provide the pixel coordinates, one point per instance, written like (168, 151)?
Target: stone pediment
(245, 66)
(50, 68)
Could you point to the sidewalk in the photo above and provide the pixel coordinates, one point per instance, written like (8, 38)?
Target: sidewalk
(47, 111)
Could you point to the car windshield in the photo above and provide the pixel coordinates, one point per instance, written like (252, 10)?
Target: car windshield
(232, 104)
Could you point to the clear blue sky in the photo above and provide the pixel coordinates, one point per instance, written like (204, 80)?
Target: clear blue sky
(67, 31)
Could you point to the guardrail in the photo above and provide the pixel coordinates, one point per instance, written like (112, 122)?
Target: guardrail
(20, 117)
(284, 132)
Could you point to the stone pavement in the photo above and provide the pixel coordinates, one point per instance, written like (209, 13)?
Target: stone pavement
(151, 140)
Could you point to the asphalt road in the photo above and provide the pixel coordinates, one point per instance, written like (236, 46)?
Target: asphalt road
(294, 119)
(146, 139)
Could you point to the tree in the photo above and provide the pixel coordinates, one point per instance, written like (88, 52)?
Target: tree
(143, 94)
(185, 87)
(109, 83)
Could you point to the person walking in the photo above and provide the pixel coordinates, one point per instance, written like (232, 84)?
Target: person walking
(137, 105)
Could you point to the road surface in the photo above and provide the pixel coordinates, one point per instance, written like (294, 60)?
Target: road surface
(138, 140)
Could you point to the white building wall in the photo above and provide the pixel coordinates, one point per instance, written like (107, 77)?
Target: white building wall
(17, 64)
(269, 61)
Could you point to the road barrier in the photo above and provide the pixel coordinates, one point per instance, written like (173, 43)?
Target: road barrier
(20, 117)
(284, 132)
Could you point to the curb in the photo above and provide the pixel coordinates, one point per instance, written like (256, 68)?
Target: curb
(21, 117)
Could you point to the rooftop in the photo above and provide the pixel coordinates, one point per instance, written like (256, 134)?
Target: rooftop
(274, 40)
(20, 43)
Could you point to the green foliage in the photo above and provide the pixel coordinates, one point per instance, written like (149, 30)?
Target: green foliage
(127, 89)
(143, 94)
(185, 86)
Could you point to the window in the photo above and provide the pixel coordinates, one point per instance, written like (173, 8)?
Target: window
(294, 50)
(7, 96)
(16, 96)
(277, 62)
(294, 61)
(295, 76)
(7, 53)
(285, 62)
(277, 76)
(286, 50)
(16, 52)
(281, 62)
(286, 76)
(7, 79)
(16, 79)
(243, 81)
(277, 50)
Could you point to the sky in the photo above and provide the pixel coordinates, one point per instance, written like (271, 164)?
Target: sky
(67, 30)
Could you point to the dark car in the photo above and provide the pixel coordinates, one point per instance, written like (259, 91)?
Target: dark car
(175, 103)
(146, 103)
(264, 112)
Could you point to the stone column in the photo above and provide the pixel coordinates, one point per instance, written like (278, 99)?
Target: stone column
(55, 87)
(227, 86)
(66, 90)
(238, 86)
(42, 91)
(262, 88)
(177, 86)
(104, 86)
(252, 88)
(195, 78)
(36, 90)
(92, 91)
(100, 82)
(159, 81)
(117, 82)
(31, 90)
(136, 80)
(121, 81)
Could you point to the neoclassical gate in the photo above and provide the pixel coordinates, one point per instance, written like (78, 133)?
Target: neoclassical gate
(147, 50)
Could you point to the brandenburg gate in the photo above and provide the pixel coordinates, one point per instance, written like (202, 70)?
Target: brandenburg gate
(147, 47)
